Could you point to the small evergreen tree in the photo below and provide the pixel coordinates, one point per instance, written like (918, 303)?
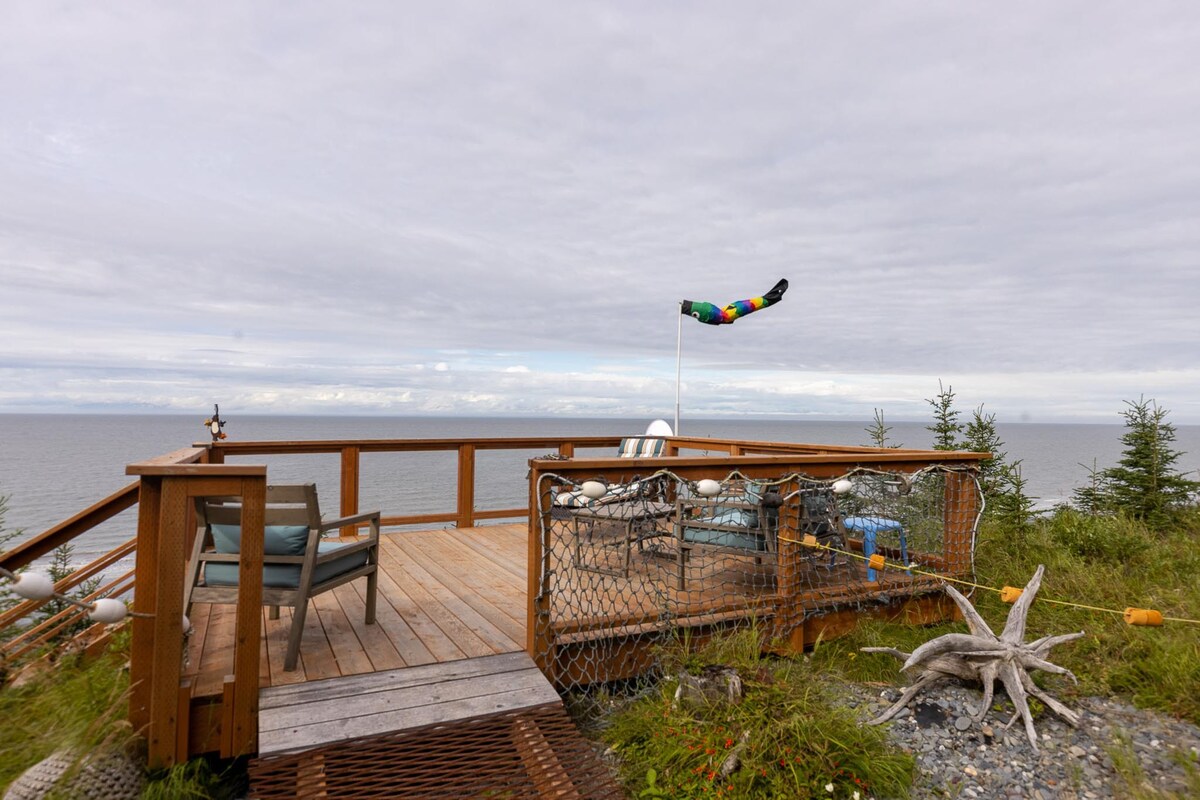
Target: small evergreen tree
(980, 436)
(1001, 483)
(1095, 498)
(1011, 506)
(1145, 483)
(879, 432)
(945, 428)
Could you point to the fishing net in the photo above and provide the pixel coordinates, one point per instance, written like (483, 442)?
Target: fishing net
(625, 565)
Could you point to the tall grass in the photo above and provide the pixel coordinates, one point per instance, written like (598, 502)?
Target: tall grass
(1109, 562)
(76, 705)
(790, 735)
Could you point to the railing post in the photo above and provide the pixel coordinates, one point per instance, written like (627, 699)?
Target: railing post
(244, 737)
(466, 486)
(349, 486)
(167, 492)
(145, 593)
(538, 642)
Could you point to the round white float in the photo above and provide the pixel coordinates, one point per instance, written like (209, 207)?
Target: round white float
(593, 489)
(842, 486)
(708, 487)
(108, 611)
(34, 586)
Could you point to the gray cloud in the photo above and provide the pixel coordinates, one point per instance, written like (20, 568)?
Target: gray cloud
(303, 208)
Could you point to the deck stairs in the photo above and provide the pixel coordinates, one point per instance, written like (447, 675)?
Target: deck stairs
(488, 726)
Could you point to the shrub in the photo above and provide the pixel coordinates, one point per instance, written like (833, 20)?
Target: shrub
(1115, 539)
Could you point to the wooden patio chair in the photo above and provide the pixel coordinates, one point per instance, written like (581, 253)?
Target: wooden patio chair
(631, 447)
(744, 522)
(297, 564)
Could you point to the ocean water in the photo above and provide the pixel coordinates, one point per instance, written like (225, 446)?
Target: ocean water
(53, 466)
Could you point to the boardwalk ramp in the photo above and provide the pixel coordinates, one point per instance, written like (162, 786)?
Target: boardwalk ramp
(478, 727)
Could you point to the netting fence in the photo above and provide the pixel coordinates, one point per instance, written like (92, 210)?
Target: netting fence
(626, 563)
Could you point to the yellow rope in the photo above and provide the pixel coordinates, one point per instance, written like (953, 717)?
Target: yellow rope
(891, 565)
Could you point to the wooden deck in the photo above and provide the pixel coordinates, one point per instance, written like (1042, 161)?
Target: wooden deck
(457, 593)
(444, 595)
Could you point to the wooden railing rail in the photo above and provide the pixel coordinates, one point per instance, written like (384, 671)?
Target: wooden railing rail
(68, 583)
(44, 632)
(465, 513)
(27, 552)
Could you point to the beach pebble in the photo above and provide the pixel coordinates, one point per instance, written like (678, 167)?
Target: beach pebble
(982, 761)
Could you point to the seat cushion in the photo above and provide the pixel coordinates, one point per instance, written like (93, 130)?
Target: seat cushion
(641, 447)
(742, 541)
(278, 540)
(287, 576)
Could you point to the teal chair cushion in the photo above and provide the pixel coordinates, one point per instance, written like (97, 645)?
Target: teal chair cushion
(742, 541)
(287, 576)
(278, 540)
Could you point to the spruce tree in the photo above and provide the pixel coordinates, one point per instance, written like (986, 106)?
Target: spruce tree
(879, 432)
(1145, 483)
(945, 428)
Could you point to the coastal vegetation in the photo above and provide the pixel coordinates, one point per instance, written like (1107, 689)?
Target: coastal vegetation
(1132, 544)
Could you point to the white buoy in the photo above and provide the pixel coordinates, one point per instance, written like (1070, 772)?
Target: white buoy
(842, 486)
(708, 487)
(34, 586)
(593, 489)
(187, 625)
(108, 611)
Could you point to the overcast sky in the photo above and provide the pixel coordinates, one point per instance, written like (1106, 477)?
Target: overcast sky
(495, 208)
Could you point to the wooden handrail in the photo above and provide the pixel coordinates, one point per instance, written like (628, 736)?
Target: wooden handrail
(70, 582)
(29, 551)
(50, 627)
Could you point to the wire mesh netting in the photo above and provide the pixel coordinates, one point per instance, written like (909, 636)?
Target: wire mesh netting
(624, 564)
(533, 753)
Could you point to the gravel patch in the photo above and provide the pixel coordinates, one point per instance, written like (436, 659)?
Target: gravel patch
(957, 757)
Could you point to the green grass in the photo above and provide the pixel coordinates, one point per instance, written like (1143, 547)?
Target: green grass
(793, 736)
(1108, 562)
(83, 706)
(74, 705)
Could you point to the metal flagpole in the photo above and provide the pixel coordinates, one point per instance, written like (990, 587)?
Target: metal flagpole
(678, 360)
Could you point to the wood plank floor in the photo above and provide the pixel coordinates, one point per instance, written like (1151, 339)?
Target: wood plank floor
(319, 713)
(444, 595)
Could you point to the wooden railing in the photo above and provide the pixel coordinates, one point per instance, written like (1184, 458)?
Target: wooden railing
(464, 515)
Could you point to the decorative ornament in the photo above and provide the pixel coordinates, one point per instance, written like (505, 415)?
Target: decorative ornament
(215, 424)
(982, 656)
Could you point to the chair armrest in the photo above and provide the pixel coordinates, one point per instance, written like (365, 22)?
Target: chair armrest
(354, 519)
(345, 550)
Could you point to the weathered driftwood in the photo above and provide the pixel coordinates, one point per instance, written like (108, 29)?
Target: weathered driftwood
(983, 656)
